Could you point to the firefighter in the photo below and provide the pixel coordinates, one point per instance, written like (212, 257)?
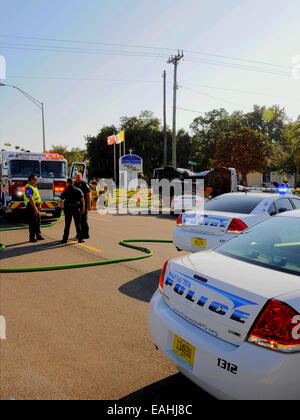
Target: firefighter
(33, 203)
(94, 194)
(286, 182)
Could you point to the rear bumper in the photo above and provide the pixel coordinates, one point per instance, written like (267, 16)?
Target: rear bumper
(47, 206)
(261, 373)
(183, 240)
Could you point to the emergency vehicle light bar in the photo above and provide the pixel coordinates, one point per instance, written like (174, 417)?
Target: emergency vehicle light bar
(48, 156)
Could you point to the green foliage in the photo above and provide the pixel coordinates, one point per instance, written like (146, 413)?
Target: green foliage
(265, 129)
(100, 155)
(286, 154)
(242, 148)
(74, 155)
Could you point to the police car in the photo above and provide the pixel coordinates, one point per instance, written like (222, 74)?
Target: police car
(183, 203)
(229, 214)
(229, 318)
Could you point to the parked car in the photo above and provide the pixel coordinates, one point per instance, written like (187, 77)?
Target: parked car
(185, 203)
(227, 215)
(229, 318)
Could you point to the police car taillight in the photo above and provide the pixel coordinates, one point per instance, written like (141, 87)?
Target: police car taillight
(179, 220)
(237, 226)
(277, 328)
(162, 276)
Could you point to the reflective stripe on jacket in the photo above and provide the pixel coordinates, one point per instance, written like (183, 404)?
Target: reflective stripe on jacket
(36, 195)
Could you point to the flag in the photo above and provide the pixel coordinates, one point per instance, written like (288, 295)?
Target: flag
(120, 137)
(111, 140)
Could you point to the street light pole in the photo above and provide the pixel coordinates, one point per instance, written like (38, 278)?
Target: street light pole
(39, 104)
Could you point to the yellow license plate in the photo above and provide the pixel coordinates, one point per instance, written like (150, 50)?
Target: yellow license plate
(184, 349)
(201, 243)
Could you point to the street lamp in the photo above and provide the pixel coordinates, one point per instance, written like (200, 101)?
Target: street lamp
(38, 104)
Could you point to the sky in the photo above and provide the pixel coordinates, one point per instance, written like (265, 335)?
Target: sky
(93, 61)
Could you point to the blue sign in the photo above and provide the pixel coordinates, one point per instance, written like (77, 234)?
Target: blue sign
(131, 160)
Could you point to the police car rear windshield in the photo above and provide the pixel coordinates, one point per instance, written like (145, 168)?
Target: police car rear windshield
(234, 203)
(23, 168)
(274, 243)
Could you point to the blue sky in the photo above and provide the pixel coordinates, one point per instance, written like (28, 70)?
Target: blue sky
(82, 91)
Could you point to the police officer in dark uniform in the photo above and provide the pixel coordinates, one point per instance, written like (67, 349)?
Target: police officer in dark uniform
(83, 186)
(74, 206)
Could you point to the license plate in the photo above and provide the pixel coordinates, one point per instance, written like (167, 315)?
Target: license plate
(199, 242)
(184, 349)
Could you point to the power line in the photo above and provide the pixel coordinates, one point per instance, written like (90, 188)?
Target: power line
(58, 49)
(240, 67)
(214, 97)
(91, 79)
(184, 84)
(145, 47)
(47, 48)
(89, 42)
(191, 110)
(238, 91)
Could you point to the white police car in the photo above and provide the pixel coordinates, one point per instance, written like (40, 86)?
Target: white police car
(228, 318)
(186, 202)
(226, 215)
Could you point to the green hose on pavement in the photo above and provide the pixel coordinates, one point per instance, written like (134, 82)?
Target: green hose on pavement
(125, 242)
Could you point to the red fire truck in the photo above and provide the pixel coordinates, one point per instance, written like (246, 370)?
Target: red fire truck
(51, 170)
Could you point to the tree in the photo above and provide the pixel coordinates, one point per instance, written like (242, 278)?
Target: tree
(205, 130)
(100, 155)
(145, 137)
(74, 155)
(242, 148)
(286, 154)
(269, 122)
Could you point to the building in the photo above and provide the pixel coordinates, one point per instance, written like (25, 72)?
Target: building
(258, 179)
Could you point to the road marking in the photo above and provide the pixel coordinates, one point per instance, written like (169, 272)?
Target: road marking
(86, 246)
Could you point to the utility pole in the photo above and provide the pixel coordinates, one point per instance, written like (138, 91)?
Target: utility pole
(174, 59)
(165, 122)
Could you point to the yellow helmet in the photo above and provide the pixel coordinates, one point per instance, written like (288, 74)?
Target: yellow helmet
(285, 179)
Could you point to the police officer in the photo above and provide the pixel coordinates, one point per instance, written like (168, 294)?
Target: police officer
(74, 205)
(33, 203)
(83, 186)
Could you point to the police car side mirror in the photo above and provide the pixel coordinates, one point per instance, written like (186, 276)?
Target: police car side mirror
(281, 210)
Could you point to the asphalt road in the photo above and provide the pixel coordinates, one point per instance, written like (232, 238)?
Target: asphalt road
(83, 333)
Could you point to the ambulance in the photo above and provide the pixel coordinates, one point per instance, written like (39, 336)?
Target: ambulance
(51, 170)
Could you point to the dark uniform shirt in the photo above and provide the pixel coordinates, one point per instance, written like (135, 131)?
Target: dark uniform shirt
(72, 196)
(83, 186)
